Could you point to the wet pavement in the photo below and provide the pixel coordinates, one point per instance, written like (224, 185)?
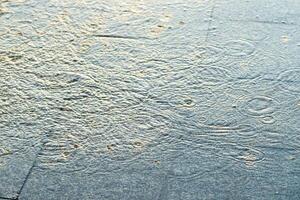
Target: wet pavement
(149, 99)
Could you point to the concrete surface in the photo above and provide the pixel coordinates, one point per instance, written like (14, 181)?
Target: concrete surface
(149, 99)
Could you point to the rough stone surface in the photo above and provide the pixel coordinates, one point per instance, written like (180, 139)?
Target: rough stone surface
(149, 99)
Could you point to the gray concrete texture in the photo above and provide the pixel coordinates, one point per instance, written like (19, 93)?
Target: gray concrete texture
(149, 99)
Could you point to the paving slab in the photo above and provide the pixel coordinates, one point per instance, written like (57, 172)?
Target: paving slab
(165, 100)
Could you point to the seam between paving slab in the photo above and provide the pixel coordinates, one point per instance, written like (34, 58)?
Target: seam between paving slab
(263, 22)
(27, 177)
(9, 198)
(210, 19)
(29, 172)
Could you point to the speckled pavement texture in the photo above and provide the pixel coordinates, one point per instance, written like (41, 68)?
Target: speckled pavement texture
(150, 99)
